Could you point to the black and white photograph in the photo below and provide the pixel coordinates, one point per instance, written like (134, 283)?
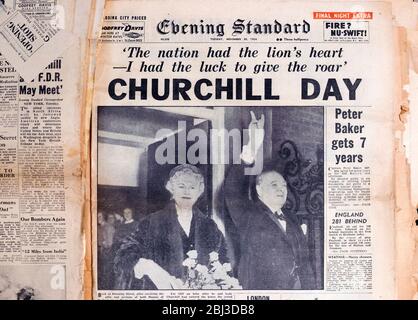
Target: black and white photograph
(206, 198)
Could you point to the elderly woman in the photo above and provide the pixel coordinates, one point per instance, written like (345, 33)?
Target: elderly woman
(162, 240)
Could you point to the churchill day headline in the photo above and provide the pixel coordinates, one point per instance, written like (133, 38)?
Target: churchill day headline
(265, 85)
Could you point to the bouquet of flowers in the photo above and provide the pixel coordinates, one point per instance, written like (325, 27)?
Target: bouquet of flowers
(213, 276)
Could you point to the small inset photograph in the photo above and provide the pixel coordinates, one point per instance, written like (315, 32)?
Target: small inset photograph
(32, 282)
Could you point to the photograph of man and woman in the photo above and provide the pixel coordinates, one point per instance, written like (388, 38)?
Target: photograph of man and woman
(173, 214)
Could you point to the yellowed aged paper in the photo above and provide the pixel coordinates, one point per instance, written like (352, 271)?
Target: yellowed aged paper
(116, 84)
(42, 252)
(405, 16)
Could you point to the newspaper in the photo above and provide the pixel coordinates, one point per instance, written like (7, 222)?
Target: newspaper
(176, 150)
(245, 151)
(41, 200)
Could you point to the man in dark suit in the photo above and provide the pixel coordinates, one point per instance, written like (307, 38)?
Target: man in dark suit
(274, 250)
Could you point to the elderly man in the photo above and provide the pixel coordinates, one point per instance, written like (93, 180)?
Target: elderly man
(156, 250)
(274, 251)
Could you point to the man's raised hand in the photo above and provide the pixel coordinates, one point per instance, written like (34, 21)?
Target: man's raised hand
(256, 132)
(256, 123)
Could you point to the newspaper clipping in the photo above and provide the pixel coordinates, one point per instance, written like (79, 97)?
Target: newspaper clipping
(240, 149)
(40, 189)
(244, 152)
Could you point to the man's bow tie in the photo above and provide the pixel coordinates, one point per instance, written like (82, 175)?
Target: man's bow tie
(280, 216)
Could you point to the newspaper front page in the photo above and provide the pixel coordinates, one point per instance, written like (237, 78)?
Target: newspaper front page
(41, 201)
(239, 150)
(244, 151)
